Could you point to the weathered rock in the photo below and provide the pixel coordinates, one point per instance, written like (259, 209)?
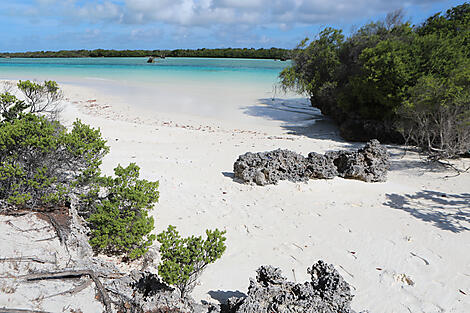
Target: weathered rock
(147, 293)
(327, 292)
(270, 167)
(269, 275)
(320, 166)
(369, 164)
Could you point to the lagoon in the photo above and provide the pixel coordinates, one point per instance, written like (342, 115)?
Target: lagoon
(257, 71)
(216, 88)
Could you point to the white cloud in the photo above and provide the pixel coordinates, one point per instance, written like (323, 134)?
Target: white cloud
(284, 14)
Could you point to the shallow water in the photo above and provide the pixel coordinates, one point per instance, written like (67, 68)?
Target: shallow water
(224, 89)
(241, 71)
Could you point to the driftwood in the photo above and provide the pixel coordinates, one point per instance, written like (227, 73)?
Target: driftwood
(24, 230)
(4, 310)
(72, 291)
(25, 259)
(72, 274)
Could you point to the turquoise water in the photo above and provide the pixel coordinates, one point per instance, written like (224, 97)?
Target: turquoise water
(245, 71)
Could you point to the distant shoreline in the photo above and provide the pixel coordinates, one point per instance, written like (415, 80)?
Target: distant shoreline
(235, 53)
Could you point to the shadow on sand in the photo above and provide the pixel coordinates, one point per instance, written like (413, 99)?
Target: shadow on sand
(446, 211)
(222, 295)
(298, 117)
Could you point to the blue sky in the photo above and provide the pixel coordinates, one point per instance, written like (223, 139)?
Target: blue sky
(28, 25)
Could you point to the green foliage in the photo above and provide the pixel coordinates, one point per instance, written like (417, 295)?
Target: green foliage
(10, 106)
(184, 259)
(86, 148)
(437, 114)
(120, 223)
(39, 163)
(379, 88)
(315, 67)
(414, 78)
(43, 98)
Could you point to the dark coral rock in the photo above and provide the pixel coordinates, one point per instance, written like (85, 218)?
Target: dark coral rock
(332, 288)
(269, 275)
(327, 292)
(270, 167)
(320, 166)
(369, 164)
(144, 292)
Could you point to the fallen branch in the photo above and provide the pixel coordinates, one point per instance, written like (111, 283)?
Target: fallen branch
(25, 259)
(46, 239)
(453, 167)
(10, 212)
(72, 291)
(72, 274)
(5, 310)
(25, 230)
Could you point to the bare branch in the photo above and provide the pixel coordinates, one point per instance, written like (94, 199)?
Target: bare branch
(25, 259)
(74, 290)
(72, 274)
(5, 310)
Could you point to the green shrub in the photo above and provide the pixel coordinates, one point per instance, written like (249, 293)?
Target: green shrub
(184, 259)
(119, 221)
(40, 162)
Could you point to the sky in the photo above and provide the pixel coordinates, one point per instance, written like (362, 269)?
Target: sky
(34, 25)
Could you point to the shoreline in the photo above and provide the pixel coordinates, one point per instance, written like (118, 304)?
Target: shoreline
(378, 235)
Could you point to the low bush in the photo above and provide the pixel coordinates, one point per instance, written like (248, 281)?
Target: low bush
(184, 259)
(40, 162)
(119, 220)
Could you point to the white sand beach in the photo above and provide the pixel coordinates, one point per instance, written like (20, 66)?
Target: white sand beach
(404, 245)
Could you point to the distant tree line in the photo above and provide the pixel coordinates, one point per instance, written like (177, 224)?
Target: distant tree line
(251, 53)
(393, 81)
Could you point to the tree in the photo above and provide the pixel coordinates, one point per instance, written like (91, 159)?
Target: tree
(393, 81)
(184, 259)
(436, 114)
(315, 67)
